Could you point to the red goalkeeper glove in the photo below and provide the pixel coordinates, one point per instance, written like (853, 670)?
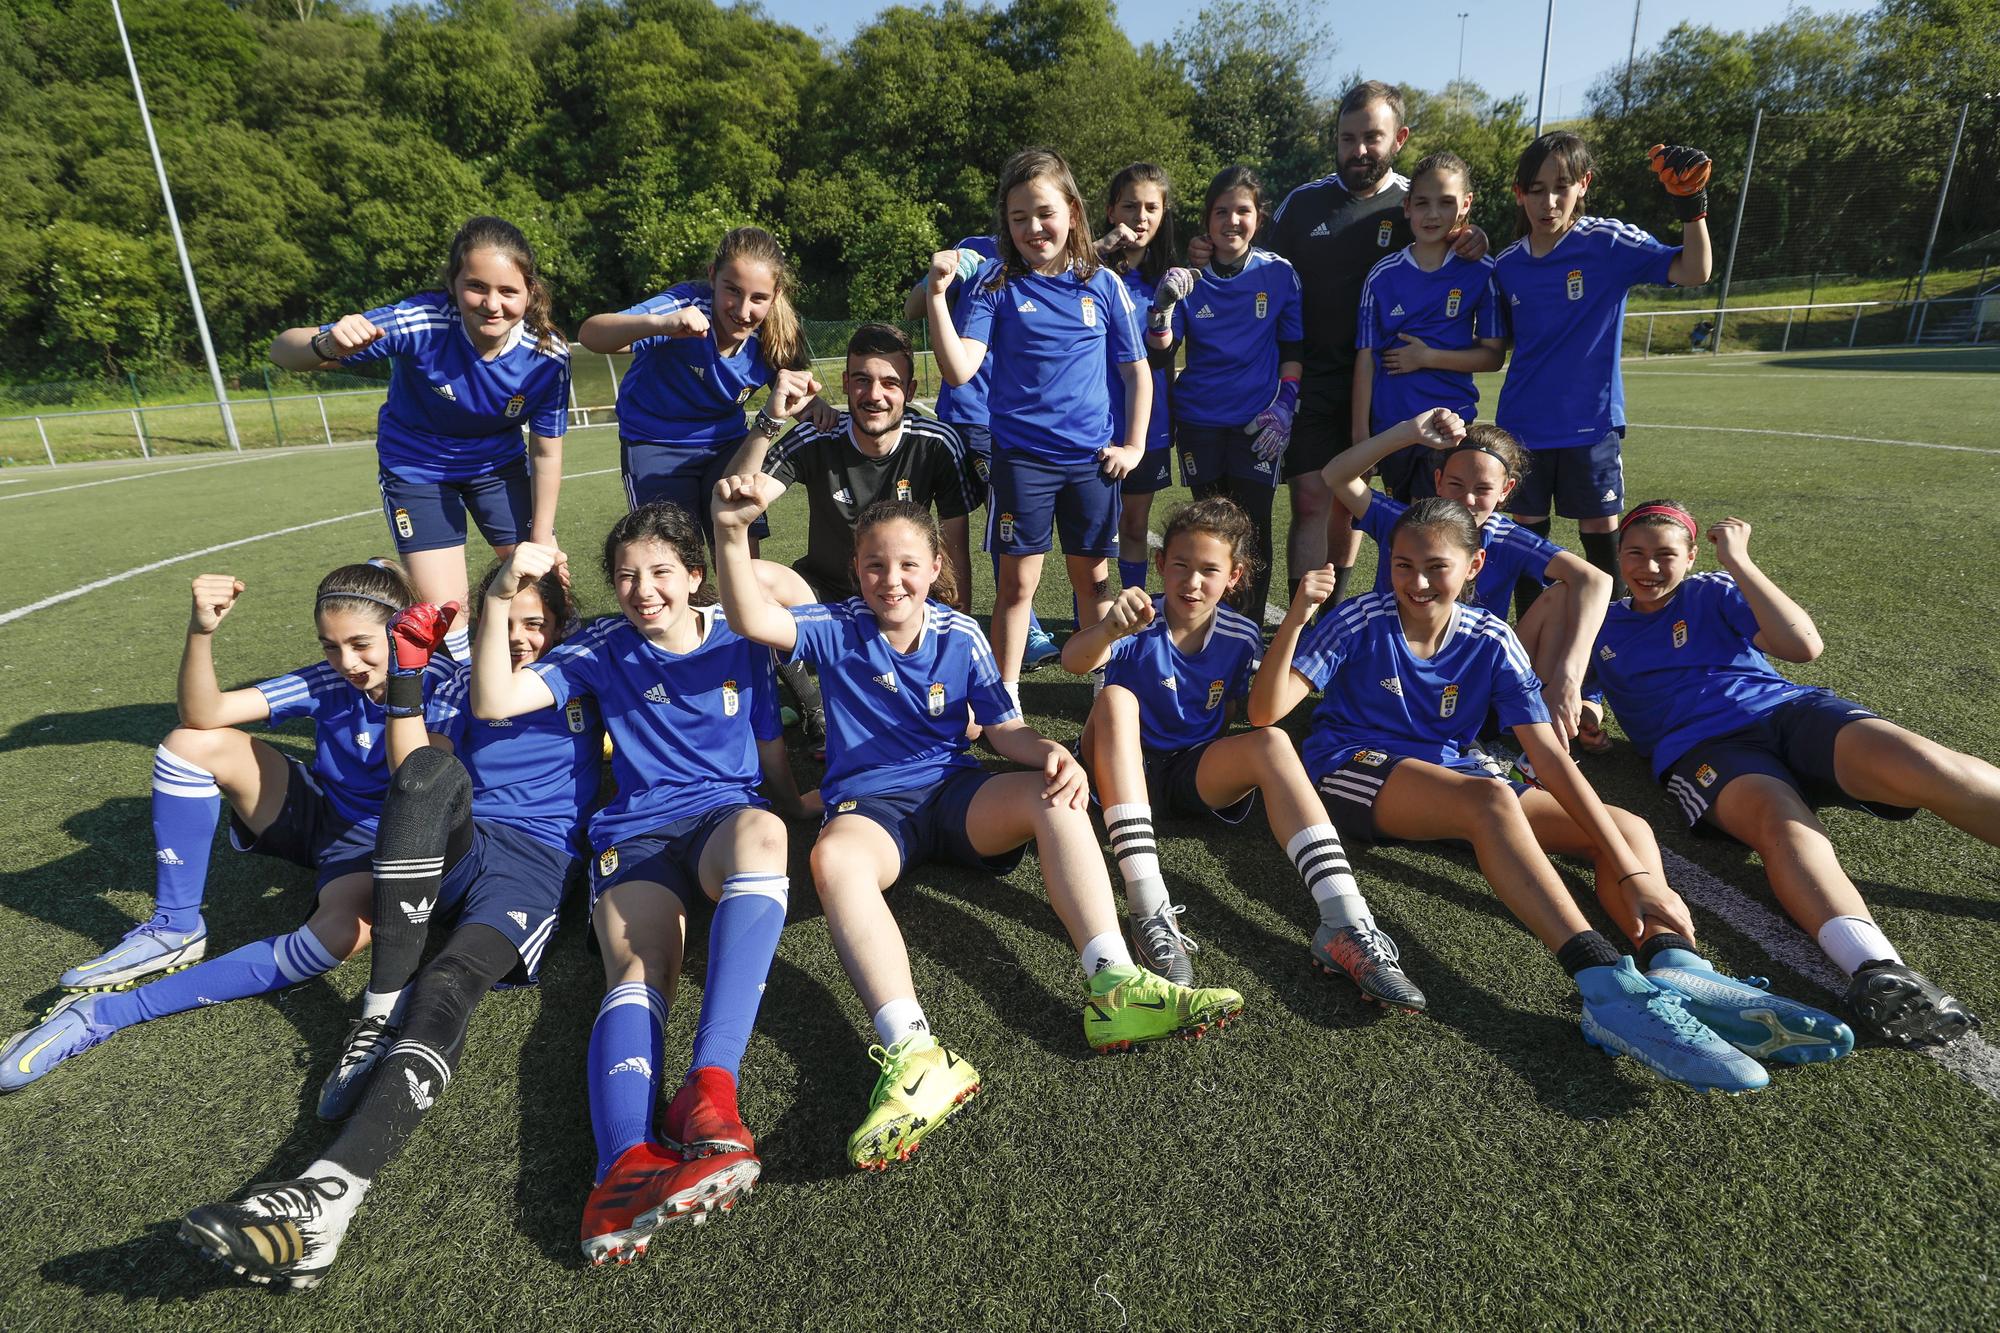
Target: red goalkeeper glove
(414, 635)
(1683, 173)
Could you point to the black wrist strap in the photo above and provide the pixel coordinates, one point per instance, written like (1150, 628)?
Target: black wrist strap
(405, 696)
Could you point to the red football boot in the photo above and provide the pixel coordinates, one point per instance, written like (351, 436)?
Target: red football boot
(613, 1225)
(701, 1188)
(702, 1119)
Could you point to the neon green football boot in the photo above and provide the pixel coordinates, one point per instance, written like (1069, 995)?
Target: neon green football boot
(1128, 1005)
(920, 1084)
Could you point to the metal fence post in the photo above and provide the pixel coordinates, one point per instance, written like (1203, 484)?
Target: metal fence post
(1854, 329)
(1923, 317)
(277, 431)
(1650, 321)
(1785, 345)
(1736, 231)
(45, 442)
(132, 381)
(323, 423)
(140, 431)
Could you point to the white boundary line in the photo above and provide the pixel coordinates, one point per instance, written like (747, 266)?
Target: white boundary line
(1753, 373)
(143, 476)
(1970, 1057)
(1813, 435)
(58, 598)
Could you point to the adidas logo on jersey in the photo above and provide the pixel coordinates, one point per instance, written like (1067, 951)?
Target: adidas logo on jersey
(1393, 685)
(1026, 307)
(1204, 313)
(364, 740)
(444, 392)
(499, 721)
(1320, 230)
(1168, 681)
(519, 918)
(657, 695)
(887, 680)
(167, 856)
(843, 496)
(633, 1064)
(420, 910)
(421, 1095)
(1398, 310)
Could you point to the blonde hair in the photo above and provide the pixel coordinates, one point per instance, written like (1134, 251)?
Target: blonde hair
(1025, 167)
(781, 337)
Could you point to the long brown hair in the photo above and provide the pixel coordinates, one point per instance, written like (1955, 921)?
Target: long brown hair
(1025, 167)
(377, 589)
(491, 233)
(1159, 255)
(1570, 152)
(944, 588)
(781, 337)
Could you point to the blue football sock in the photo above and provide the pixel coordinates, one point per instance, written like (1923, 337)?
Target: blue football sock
(186, 804)
(1132, 573)
(254, 969)
(742, 939)
(624, 1069)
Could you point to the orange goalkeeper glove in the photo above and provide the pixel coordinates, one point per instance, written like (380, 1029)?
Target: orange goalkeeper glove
(1683, 173)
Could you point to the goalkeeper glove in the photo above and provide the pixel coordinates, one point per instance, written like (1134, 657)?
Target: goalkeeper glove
(1273, 426)
(415, 633)
(1683, 173)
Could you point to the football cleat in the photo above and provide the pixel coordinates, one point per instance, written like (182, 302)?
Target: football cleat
(1129, 1005)
(150, 949)
(1897, 1004)
(283, 1235)
(702, 1119)
(921, 1083)
(68, 1029)
(1747, 1016)
(1162, 947)
(367, 1042)
(700, 1189)
(1041, 647)
(633, 1186)
(1626, 1014)
(1369, 959)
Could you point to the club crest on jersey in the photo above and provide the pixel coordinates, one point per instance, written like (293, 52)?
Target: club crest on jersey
(845, 806)
(573, 714)
(516, 403)
(1263, 303)
(1089, 306)
(1680, 634)
(744, 396)
(903, 491)
(731, 701)
(1451, 300)
(1371, 758)
(607, 864)
(937, 699)
(1187, 466)
(1006, 527)
(1705, 776)
(1576, 284)
(1383, 233)
(1214, 693)
(403, 526)
(1449, 703)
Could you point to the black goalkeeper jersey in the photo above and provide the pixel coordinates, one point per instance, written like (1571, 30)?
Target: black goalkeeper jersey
(1333, 239)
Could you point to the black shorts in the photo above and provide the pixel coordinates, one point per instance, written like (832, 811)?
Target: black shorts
(1319, 431)
(1349, 790)
(1792, 743)
(1171, 787)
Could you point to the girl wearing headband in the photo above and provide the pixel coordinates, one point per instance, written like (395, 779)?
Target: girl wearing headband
(322, 815)
(1479, 466)
(1752, 754)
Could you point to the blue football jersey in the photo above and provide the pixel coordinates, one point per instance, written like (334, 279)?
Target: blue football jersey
(350, 751)
(536, 772)
(1512, 553)
(1566, 311)
(684, 726)
(1378, 696)
(1050, 340)
(452, 415)
(1159, 427)
(682, 391)
(965, 404)
(1688, 671)
(1183, 696)
(896, 721)
(1232, 327)
(1450, 309)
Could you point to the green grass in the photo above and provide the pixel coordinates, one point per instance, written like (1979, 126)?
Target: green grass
(1317, 1164)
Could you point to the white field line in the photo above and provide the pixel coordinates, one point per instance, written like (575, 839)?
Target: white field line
(71, 594)
(1970, 1057)
(139, 476)
(1813, 435)
(1753, 374)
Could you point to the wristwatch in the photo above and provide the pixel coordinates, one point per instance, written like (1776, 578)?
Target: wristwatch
(769, 426)
(321, 352)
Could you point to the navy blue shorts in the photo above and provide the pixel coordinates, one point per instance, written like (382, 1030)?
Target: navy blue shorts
(1792, 743)
(430, 515)
(1171, 787)
(309, 832)
(669, 855)
(928, 823)
(1350, 789)
(978, 442)
(1409, 474)
(1583, 481)
(1211, 453)
(1034, 501)
(1154, 473)
(1319, 431)
(506, 880)
(683, 476)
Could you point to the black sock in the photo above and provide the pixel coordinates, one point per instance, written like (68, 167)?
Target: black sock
(426, 828)
(413, 1075)
(1526, 590)
(1601, 549)
(1586, 948)
(1654, 947)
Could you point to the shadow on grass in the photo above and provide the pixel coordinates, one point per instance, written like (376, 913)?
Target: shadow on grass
(1922, 900)
(151, 1266)
(1965, 360)
(138, 724)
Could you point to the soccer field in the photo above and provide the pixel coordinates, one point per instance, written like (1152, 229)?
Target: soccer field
(1318, 1164)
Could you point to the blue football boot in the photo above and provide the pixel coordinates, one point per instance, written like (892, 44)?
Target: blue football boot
(1747, 1016)
(1041, 647)
(1626, 1014)
(68, 1030)
(148, 950)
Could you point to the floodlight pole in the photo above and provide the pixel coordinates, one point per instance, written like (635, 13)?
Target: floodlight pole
(1631, 54)
(1944, 188)
(1729, 264)
(180, 245)
(1548, 30)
